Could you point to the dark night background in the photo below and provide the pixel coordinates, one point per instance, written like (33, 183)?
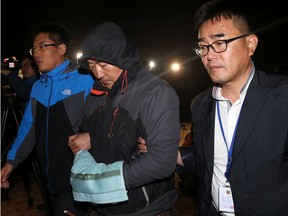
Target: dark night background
(162, 31)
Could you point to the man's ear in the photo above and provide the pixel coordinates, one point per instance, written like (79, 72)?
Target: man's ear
(252, 42)
(62, 49)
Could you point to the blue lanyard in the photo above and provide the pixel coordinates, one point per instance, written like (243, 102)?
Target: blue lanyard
(227, 173)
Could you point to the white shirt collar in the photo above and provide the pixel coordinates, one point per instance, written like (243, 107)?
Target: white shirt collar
(216, 91)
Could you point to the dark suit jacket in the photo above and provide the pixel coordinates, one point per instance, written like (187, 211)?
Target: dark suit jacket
(259, 170)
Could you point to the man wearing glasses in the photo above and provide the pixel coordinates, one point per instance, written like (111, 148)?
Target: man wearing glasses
(52, 115)
(239, 148)
(239, 151)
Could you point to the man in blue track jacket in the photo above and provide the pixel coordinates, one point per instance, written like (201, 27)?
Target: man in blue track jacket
(53, 113)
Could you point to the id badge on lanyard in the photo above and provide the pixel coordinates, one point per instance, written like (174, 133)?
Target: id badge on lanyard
(225, 198)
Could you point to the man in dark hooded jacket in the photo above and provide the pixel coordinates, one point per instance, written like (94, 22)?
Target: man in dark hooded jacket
(127, 102)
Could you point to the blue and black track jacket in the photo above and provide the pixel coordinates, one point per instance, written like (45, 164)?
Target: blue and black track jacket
(53, 113)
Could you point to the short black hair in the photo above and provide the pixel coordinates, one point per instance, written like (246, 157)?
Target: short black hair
(227, 9)
(33, 62)
(56, 32)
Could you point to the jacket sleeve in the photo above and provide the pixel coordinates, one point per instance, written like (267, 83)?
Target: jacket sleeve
(187, 156)
(159, 115)
(25, 140)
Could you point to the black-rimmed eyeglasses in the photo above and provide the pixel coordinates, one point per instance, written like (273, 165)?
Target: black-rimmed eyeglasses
(218, 46)
(42, 46)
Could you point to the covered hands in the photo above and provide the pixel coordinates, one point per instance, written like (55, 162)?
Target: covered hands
(79, 142)
(97, 182)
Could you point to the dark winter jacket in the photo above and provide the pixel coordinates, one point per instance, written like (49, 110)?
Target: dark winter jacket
(139, 104)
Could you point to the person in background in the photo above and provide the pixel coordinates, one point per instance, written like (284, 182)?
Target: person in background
(53, 113)
(239, 150)
(22, 86)
(127, 102)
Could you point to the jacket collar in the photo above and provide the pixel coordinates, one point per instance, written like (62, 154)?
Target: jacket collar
(60, 72)
(121, 84)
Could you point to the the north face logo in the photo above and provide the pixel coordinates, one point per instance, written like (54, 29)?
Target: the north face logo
(66, 92)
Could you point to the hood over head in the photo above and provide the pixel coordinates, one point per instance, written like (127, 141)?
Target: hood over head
(108, 43)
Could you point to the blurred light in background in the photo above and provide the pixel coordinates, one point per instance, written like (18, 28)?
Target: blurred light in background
(78, 55)
(175, 67)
